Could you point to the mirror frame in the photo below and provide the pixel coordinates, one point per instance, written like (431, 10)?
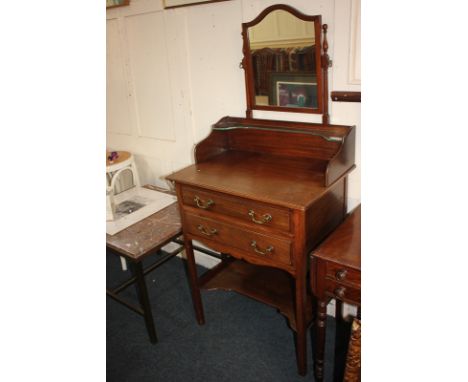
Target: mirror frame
(321, 61)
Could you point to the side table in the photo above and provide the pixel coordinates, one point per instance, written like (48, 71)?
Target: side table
(336, 273)
(139, 241)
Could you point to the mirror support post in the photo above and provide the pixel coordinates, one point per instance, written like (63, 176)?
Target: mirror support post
(325, 65)
(245, 64)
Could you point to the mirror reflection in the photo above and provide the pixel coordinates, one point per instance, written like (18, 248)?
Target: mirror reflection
(282, 49)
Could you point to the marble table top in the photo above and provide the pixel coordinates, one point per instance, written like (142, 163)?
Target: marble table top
(148, 235)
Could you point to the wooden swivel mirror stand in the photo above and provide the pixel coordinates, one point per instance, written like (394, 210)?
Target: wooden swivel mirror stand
(285, 67)
(265, 193)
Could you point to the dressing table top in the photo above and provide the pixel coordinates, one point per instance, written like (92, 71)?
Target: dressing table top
(267, 178)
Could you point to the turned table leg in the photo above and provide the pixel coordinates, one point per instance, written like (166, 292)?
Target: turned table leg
(193, 280)
(320, 332)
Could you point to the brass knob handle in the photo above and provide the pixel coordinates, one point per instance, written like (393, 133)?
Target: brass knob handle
(340, 291)
(207, 232)
(267, 251)
(341, 274)
(201, 204)
(265, 218)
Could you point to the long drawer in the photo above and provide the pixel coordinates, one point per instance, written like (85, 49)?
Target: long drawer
(254, 212)
(271, 248)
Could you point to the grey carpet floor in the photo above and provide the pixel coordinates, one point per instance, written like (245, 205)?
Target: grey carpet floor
(242, 340)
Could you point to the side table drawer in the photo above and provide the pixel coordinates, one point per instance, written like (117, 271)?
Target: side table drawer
(273, 249)
(247, 210)
(343, 274)
(343, 292)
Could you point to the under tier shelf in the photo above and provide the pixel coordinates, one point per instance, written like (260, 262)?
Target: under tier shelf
(270, 286)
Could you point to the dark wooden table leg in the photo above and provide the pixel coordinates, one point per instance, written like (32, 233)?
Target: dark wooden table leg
(193, 280)
(341, 341)
(144, 301)
(301, 334)
(320, 333)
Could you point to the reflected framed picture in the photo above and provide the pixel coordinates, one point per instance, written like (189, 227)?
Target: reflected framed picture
(293, 89)
(186, 3)
(116, 3)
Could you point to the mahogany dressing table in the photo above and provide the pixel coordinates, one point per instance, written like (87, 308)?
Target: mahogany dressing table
(267, 192)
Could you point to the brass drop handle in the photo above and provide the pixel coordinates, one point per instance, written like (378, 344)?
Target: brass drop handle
(201, 204)
(267, 251)
(207, 232)
(340, 291)
(265, 218)
(341, 274)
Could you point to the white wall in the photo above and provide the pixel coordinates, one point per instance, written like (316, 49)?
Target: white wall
(171, 74)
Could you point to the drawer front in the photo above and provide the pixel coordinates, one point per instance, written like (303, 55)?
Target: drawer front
(343, 274)
(270, 248)
(247, 210)
(343, 292)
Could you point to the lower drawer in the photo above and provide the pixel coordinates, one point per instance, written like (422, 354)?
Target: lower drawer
(343, 292)
(255, 244)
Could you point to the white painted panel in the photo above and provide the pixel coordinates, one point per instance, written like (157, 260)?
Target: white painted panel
(153, 170)
(340, 53)
(355, 44)
(118, 117)
(347, 113)
(215, 51)
(176, 42)
(150, 74)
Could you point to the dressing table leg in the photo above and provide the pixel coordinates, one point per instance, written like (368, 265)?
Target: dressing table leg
(193, 280)
(301, 334)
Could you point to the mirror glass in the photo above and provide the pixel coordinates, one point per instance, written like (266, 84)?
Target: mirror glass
(283, 62)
